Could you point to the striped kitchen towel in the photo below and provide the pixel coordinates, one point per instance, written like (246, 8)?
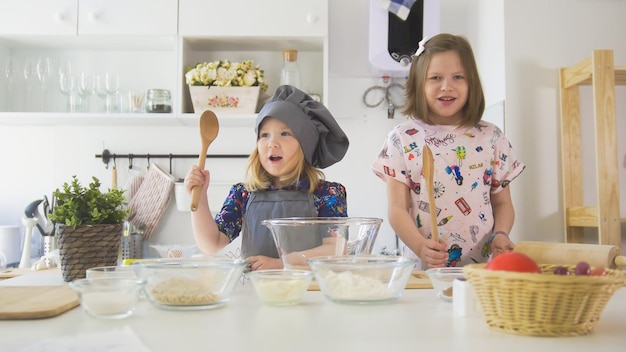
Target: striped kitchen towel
(400, 8)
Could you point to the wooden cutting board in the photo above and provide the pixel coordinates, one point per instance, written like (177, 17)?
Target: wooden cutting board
(35, 302)
(418, 279)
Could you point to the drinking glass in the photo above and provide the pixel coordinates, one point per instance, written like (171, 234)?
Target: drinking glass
(86, 88)
(107, 86)
(9, 73)
(43, 70)
(66, 85)
(111, 86)
(28, 72)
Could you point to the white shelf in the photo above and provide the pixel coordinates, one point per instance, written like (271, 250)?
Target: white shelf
(125, 119)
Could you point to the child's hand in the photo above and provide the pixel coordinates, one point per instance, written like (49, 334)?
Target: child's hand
(197, 177)
(501, 244)
(433, 253)
(261, 262)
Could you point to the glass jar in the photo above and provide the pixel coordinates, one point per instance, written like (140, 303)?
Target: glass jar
(158, 101)
(290, 73)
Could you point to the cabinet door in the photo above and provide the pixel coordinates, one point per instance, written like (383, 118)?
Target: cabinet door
(142, 17)
(30, 17)
(282, 18)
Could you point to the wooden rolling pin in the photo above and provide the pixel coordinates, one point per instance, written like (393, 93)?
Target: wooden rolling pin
(571, 253)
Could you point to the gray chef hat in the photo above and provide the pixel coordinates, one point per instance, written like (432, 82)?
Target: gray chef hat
(322, 140)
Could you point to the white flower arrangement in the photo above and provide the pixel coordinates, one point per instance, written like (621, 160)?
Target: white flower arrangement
(226, 74)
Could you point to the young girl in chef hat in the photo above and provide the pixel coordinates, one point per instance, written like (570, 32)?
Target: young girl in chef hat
(296, 137)
(474, 162)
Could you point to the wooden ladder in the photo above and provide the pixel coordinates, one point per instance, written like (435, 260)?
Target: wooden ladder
(599, 72)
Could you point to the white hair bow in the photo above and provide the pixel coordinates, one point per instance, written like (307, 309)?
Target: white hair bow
(420, 48)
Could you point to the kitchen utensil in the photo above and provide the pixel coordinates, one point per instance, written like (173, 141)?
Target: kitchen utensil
(190, 283)
(442, 280)
(571, 253)
(29, 223)
(362, 279)
(352, 235)
(10, 243)
(280, 287)
(148, 205)
(34, 302)
(429, 171)
(108, 297)
(418, 280)
(209, 128)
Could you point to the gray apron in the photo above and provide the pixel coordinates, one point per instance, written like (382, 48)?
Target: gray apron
(256, 238)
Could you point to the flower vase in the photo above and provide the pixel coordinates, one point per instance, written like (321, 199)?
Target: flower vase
(229, 100)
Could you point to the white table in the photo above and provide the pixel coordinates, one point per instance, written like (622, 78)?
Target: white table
(418, 321)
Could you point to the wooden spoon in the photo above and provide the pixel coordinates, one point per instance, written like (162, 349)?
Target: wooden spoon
(429, 171)
(209, 128)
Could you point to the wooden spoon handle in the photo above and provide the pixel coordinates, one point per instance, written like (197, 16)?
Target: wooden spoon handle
(195, 192)
(429, 175)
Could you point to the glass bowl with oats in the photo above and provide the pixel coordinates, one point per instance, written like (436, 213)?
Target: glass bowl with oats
(190, 283)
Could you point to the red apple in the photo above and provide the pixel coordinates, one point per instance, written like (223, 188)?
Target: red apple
(513, 261)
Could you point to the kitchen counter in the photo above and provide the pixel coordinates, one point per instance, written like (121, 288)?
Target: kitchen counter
(417, 321)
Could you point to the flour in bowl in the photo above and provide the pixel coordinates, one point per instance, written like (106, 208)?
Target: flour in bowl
(350, 286)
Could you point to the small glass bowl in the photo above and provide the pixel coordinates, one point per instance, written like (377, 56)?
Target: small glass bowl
(442, 280)
(108, 298)
(280, 287)
(362, 279)
(120, 272)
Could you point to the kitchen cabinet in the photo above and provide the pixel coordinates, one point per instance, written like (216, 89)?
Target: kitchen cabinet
(153, 49)
(31, 17)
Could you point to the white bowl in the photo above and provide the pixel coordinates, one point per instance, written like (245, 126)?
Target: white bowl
(108, 298)
(362, 279)
(280, 287)
(120, 272)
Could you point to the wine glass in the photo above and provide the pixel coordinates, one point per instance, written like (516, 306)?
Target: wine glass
(66, 84)
(111, 86)
(28, 72)
(9, 73)
(86, 88)
(107, 86)
(43, 70)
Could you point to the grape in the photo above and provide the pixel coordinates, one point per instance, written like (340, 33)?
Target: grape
(582, 268)
(598, 271)
(561, 270)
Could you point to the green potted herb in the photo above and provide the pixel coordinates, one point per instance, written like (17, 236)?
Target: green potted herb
(88, 226)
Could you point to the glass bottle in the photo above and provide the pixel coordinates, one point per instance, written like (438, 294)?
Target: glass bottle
(290, 73)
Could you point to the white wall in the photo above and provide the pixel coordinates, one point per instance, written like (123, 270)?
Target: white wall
(518, 58)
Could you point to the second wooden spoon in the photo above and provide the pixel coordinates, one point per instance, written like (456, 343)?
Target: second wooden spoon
(209, 128)
(429, 172)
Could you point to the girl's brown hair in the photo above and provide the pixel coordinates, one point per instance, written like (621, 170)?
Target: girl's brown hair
(416, 106)
(258, 179)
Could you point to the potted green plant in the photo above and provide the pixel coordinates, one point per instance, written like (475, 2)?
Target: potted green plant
(88, 226)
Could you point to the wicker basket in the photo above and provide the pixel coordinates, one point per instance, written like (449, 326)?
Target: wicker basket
(87, 246)
(542, 304)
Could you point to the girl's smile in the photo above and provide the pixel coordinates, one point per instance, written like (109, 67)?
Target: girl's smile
(446, 88)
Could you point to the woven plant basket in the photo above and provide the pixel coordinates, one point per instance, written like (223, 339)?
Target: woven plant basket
(542, 304)
(87, 246)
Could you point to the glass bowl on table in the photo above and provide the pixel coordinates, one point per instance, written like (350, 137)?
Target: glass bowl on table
(280, 287)
(362, 279)
(108, 297)
(442, 280)
(326, 235)
(190, 283)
